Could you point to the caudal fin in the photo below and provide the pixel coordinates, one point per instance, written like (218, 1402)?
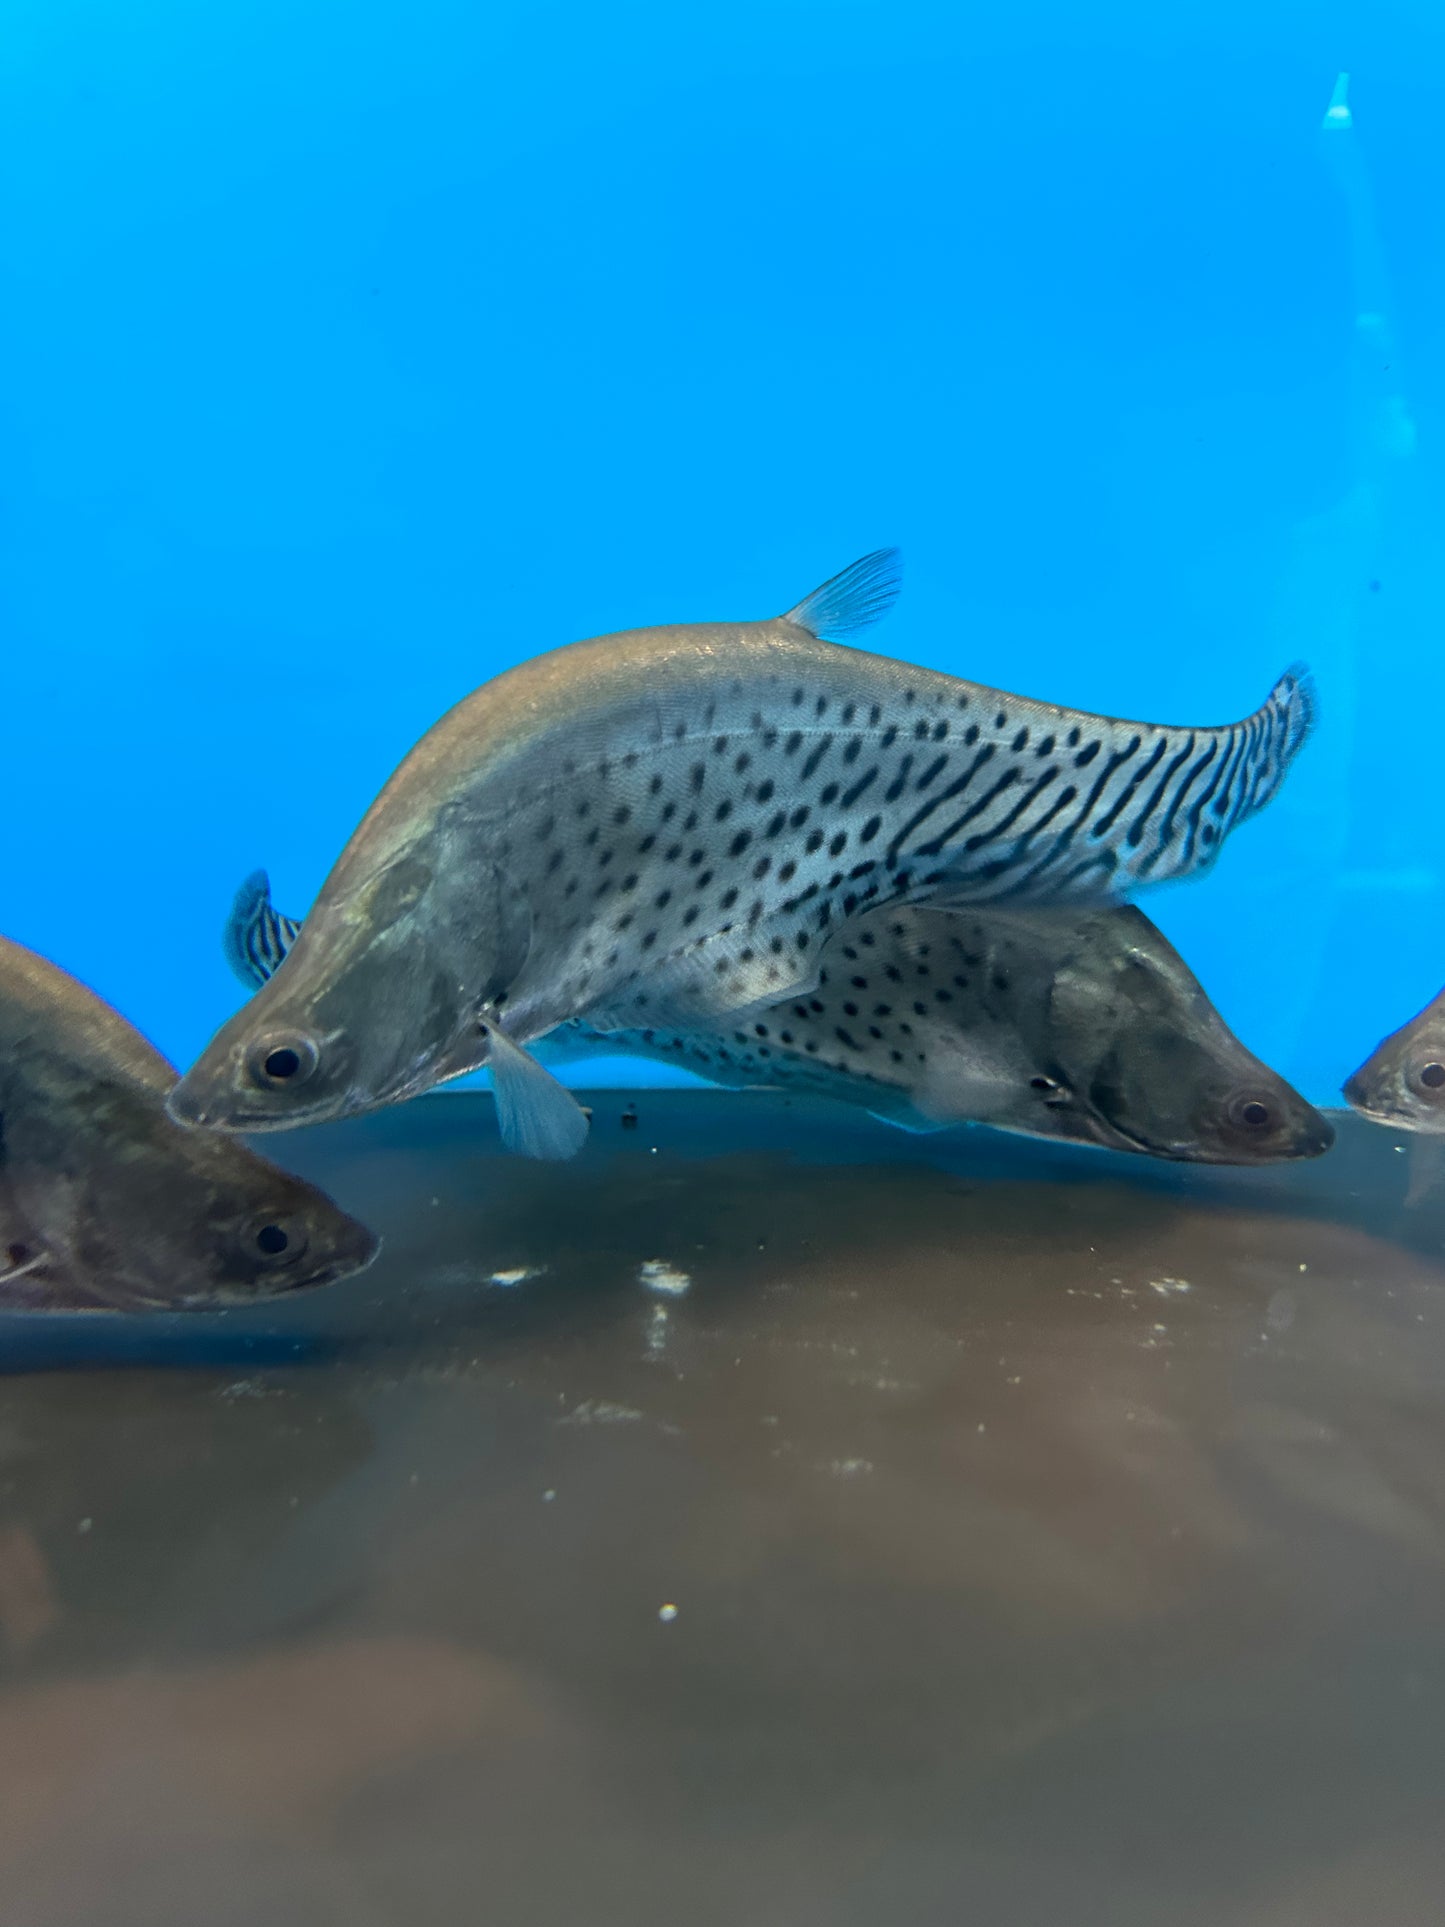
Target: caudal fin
(256, 936)
(1287, 716)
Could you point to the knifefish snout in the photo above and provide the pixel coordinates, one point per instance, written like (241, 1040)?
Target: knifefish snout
(1402, 1084)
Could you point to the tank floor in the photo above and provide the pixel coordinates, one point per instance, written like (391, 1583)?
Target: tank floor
(987, 1532)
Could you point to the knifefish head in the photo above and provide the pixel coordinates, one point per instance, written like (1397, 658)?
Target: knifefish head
(105, 1201)
(1134, 1038)
(154, 1217)
(107, 1204)
(1402, 1083)
(381, 996)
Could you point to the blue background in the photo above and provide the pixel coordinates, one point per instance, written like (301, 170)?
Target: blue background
(353, 352)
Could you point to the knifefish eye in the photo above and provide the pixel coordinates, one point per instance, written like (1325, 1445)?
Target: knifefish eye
(274, 1241)
(277, 1062)
(1431, 1075)
(1251, 1112)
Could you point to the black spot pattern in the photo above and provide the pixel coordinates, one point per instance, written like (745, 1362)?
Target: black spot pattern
(847, 1039)
(828, 785)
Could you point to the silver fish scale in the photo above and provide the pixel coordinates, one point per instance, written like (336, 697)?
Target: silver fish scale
(698, 869)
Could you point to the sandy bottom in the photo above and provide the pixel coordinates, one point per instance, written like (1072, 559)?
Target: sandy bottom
(769, 1521)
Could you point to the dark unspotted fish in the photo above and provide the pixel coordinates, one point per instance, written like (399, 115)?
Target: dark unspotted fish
(1403, 1082)
(105, 1202)
(1064, 1024)
(659, 828)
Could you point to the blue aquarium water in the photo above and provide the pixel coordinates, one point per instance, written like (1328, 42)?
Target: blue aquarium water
(353, 356)
(765, 1518)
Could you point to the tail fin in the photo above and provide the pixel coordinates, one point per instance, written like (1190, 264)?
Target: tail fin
(1295, 693)
(1289, 713)
(256, 936)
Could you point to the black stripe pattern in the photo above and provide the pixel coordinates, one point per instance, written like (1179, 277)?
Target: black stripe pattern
(257, 936)
(1124, 806)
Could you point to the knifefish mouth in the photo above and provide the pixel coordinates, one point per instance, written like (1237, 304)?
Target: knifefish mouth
(231, 1111)
(354, 1255)
(1306, 1144)
(1393, 1120)
(1370, 1097)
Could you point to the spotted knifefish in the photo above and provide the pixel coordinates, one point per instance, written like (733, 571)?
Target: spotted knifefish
(658, 828)
(105, 1202)
(1403, 1082)
(1086, 1025)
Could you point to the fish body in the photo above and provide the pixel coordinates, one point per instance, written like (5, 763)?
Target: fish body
(105, 1202)
(659, 828)
(1402, 1082)
(1086, 1026)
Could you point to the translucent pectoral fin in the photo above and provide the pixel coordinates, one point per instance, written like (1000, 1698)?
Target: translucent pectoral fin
(538, 1117)
(903, 1117)
(1426, 1164)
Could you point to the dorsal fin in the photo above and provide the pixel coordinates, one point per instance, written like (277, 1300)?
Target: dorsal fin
(848, 603)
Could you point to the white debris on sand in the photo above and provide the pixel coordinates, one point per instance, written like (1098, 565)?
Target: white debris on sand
(600, 1411)
(850, 1468)
(1166, 1287)
(660, 1276)
(517, 1276)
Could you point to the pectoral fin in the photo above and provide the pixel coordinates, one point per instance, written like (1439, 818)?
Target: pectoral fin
(1426, 1164)
(538, 1117)
(30, 1279)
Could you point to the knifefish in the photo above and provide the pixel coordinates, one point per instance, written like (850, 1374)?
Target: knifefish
(105, 1202)
(1402, 1083)
(658, 828)
(1087, 1026)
